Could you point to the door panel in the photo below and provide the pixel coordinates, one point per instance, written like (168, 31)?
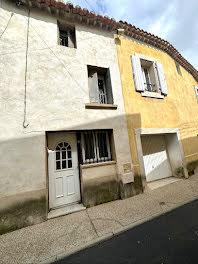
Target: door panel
(59, 187)
(64, 185)
(156, 162)
(70, 184)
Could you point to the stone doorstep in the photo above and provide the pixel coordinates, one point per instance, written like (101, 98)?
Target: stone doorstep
(72, 208)
(160, 183)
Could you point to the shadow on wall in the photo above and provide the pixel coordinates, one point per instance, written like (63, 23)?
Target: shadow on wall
(24, 188)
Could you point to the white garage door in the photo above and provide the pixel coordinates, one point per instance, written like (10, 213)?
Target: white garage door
(156, 162)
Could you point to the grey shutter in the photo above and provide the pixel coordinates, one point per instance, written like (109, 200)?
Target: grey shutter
(93, 87)
(196, 91)
(70, 39)
(109, 87)
(137, 74)
(162, 80)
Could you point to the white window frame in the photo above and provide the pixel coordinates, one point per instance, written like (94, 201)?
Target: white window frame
(96, 147)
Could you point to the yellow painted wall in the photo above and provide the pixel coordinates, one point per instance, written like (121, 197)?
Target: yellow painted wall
(177, 110)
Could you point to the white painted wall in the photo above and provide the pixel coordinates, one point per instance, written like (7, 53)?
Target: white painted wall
(57, 91)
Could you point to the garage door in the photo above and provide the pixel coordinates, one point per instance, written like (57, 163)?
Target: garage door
(156, 162)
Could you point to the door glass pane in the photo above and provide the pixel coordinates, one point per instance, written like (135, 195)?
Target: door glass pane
(64, 164)
(57, 148)
(57, 155)
(58, 165)
(64, 155)
(69, 163)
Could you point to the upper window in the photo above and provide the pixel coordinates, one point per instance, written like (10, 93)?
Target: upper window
(178, 68)
(66, 35)
(148, 76)
(96, 146)
(100, 89)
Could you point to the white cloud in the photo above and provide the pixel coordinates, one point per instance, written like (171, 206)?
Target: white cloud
(173, 20)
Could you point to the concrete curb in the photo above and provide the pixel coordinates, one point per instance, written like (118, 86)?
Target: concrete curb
(115, 233)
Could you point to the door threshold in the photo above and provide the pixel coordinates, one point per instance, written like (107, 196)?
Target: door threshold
(160, 183)
(68, 209)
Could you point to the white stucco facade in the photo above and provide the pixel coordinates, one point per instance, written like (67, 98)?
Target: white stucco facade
(56, 93)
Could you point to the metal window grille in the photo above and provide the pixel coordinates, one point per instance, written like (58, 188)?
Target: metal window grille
(96, 146)
(102, 91)
(148, 85)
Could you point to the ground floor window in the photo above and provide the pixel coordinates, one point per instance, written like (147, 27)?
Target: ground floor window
(96, 146)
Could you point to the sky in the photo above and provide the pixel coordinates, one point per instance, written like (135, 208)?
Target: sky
(173, 20)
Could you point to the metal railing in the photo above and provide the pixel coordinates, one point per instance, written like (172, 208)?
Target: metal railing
(102, 97)
(149, 87)
(64, 40)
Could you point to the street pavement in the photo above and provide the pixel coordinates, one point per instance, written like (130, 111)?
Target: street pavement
(169, 239)
(62, 236)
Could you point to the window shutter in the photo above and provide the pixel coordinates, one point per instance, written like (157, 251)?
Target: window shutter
(196, 91)
(93, 87)
(137, 74)
(161, 76)
(70, 39)
(109, 87)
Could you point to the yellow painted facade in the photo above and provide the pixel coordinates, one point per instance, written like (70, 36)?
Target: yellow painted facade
(179, 109)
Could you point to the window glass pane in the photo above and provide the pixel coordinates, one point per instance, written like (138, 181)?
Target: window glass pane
(65, 144)
(58, 166)
(57, 148)
(60, 145)
(69, 147)
(68, 154)
(58, 155)
(64, 164)
(102, 144)
(69, 163)
(89, 146)
(64, 155)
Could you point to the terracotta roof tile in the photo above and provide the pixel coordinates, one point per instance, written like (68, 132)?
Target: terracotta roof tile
(130, 30)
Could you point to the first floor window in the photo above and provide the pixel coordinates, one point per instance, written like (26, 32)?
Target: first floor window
(96, 146)
(148, 75)
(100, 88)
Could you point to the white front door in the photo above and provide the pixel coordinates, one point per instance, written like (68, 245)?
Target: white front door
(64, 185)
(156, 161)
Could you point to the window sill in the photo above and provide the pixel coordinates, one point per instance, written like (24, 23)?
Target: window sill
(100, 106)
(91, 165)
(152, 95)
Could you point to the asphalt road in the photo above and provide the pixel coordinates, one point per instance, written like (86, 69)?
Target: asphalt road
(170, 238)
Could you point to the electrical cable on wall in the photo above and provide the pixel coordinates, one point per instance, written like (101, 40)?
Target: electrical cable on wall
(6, 25)
(89, 5)
(25, 123)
